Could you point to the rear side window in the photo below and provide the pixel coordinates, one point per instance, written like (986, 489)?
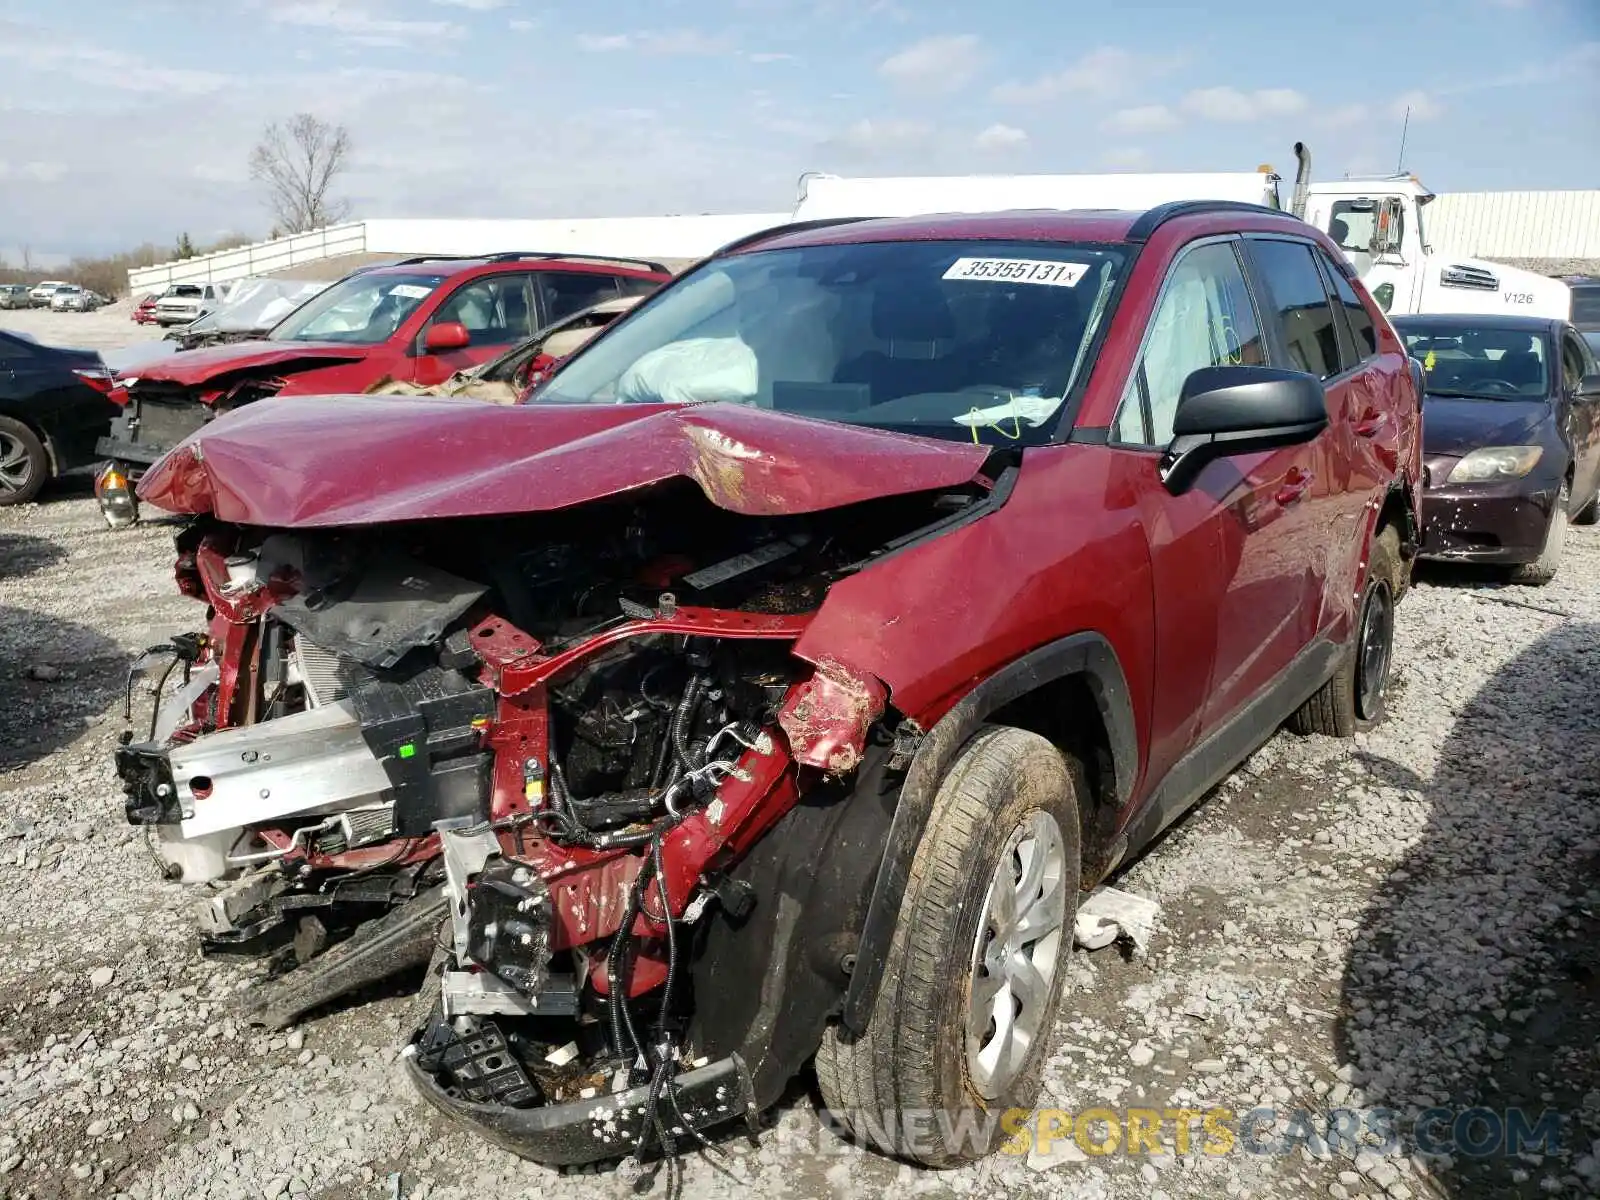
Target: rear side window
(567, 292)
(1205, 319)
(1303, 311)
(632, 285)
(1356, 316)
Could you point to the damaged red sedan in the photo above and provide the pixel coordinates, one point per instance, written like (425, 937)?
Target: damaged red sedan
(768, 688)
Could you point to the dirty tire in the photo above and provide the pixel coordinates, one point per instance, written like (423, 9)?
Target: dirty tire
(1590, 513)
(913, 1057)
(1339, 709)
(1543, 569)
(24, 465)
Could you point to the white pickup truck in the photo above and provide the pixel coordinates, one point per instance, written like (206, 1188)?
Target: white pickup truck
(1378, 222)
(185, 302)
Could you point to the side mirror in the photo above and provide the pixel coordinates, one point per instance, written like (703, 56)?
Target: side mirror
(1388, 228)
(1224, 411)
(446, 335)
(1589, 387)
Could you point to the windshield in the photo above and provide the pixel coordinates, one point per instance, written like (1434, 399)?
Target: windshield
(257, 304)
(1480, 364)
(975, 341)
(363, 309)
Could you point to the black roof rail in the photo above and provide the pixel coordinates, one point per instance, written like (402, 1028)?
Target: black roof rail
(1154, 218)
(521, 255)
(787, 227)
(422, 258)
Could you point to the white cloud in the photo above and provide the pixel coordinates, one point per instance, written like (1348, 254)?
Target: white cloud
(1423, 106)
(1345, 116)
(1106, 71)
(1127, 158)
(357, 24)
(661, 42)
(936, 63)
(473, 5)
(885, 133)
(770, 57)
(1001, 137)
(1146, 118)
(37, 171)
(1230, 104)
(521, 25)
(99, 67)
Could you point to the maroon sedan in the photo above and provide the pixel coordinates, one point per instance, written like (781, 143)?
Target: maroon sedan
(1511, 438)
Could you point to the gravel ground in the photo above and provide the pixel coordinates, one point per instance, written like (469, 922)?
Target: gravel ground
(106, 328)
(1406, 919)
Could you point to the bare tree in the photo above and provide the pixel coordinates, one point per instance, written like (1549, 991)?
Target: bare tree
(299, 161)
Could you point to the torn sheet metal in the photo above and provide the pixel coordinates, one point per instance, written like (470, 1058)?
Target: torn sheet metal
(289, 463)
(1109, 914)
(828, 716)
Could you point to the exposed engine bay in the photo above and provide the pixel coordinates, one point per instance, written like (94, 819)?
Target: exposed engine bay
(531, 749)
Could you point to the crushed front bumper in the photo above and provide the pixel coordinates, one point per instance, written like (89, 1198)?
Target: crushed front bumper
(603, 1127)
(1491, 523)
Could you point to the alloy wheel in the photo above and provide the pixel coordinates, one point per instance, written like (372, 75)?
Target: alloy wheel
(1014, 954)
(16, 468)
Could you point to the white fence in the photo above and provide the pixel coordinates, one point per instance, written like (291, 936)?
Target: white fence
(1516, 224)
(682, 238)
(259, 258)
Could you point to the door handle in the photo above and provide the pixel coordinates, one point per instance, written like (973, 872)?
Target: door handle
(1295, 485)
(1370, 422)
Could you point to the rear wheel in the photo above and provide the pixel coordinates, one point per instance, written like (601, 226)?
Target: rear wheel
(966, 1012)
(24, 465)
(1353, 700)
(1543, 569)
(1590, 513)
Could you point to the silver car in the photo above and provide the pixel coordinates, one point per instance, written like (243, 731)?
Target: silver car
(72, 298)
(15, 295)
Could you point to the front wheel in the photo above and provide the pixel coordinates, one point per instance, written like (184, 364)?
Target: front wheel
(1590, 513)
(1544, 568)
(966, 1012)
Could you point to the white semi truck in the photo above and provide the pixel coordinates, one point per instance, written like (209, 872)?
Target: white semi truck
(1378, 222)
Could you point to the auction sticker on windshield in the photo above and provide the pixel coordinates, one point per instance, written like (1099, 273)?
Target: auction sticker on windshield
(410, 291)
(1019, 270)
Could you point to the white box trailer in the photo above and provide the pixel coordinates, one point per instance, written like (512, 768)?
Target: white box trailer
(1377, 222)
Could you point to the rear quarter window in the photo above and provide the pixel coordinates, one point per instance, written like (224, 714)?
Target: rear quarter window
(1586, 306)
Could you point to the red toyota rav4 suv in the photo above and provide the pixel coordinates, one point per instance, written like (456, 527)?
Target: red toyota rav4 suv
(768, 685)
(417, 321)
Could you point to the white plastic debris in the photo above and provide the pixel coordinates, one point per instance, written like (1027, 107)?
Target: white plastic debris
(561, 1057)
(1109, 914)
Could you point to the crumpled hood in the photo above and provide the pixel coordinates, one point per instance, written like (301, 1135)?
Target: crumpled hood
(193, 368)
(1455, 426)
(313, 461)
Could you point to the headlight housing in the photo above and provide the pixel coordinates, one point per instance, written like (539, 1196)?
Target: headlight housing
(1493, 463)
